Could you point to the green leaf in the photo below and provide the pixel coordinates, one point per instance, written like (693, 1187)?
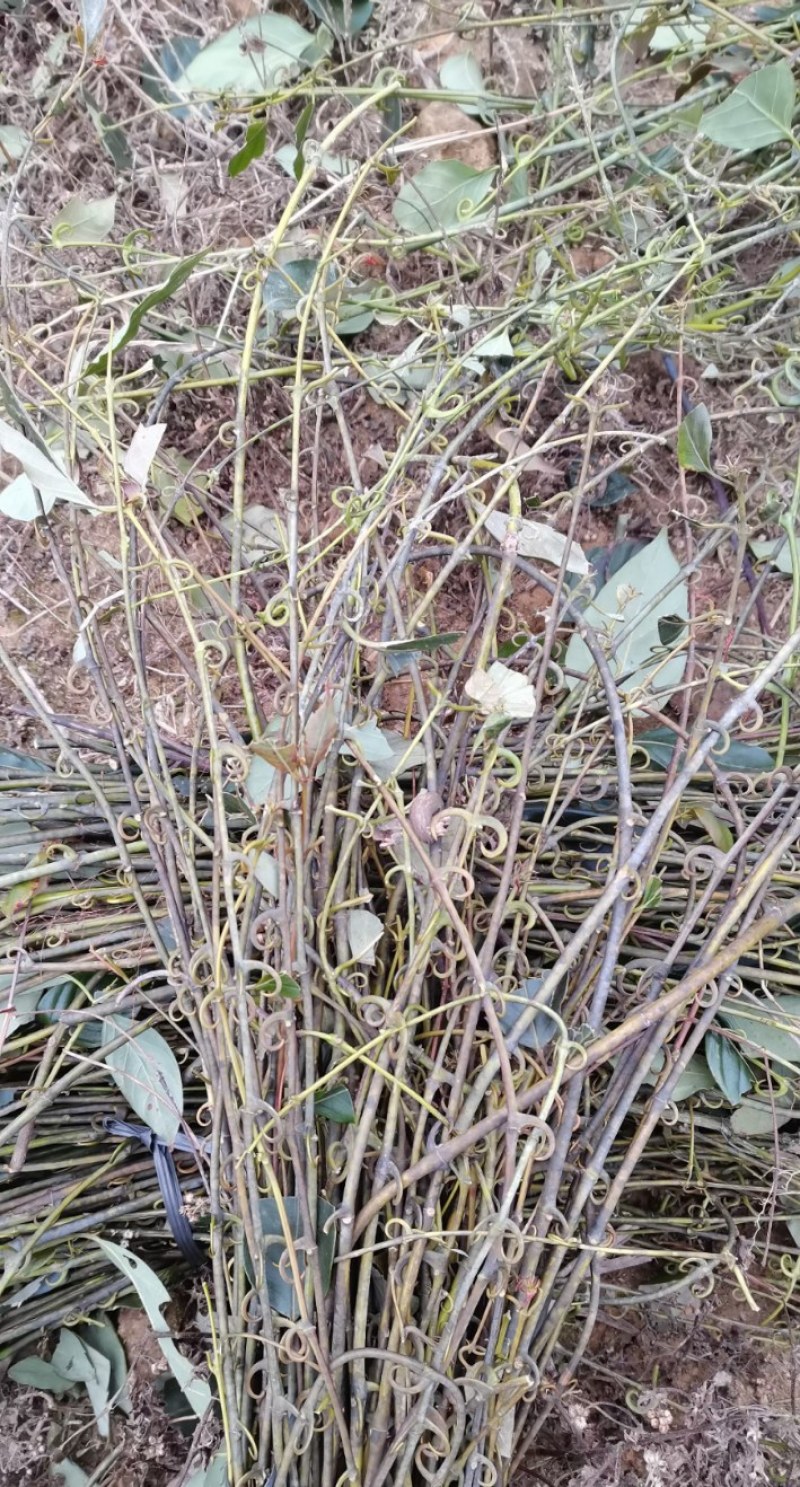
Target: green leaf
(423, 643)
(787, 274)
(616, 488)
(542, 1030)
(332, 13)
(111, 136)
(213, 1475)
(364, 930)
(165, 291)
(290, 988)
(203, 597)
(282, 1295)
(758, 112)
(18, 500)
(461, 75)
(637, 662)
(263, 534)
(497, 347)
(26, 1000)
(752, 1119)
(443, 197)
(13, 143)
(391, 112)
(670, 629)
(660, 745)
(651, 897)
(92, 14)
(24, 1006)
(153, 1295)
(408, 372)
(290, 159)
(71, 1474)
(372, 743)
(146, 1072)
(37, 1374)
(718, 830)
(687, 34)
(694, 440)
(77, 1360)
(335, 1104)
(767, 1027)
(169, 355)
(303, 124)
(400, 653)
(695, 1076)
(289, 283)
(253, 148)
(173, 59)
(40, 472)
(21, 763)
(256, 57)
(767, 12)
(95, 1034)
(60, 995)
(98, 1387)
(606, 561)
(99, 1335)
(727, 1066)
(776, 551)
(84, 221)
(71, 1358)
(691, 1080)
(402, 756)
(169, 477)
(260, 782)
(277, 983)
(355, 313)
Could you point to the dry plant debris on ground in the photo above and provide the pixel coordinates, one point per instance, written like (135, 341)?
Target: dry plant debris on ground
(399, 616)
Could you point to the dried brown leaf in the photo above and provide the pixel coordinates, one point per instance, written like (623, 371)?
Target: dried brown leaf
(517, 449)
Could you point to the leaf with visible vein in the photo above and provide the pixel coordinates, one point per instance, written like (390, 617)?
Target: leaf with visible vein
(694, 441)
(757, 113)
(179, 275)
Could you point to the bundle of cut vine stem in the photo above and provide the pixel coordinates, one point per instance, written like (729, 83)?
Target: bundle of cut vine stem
(445, 991)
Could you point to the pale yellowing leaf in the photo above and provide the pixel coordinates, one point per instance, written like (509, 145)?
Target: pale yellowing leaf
(268, 873)
(534, 539)
(13, 143)
(501, 692)
(142, 451)
(84, 221)
(364, 930)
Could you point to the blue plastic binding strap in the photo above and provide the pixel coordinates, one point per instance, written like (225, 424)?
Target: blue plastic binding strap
(167, 1181)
